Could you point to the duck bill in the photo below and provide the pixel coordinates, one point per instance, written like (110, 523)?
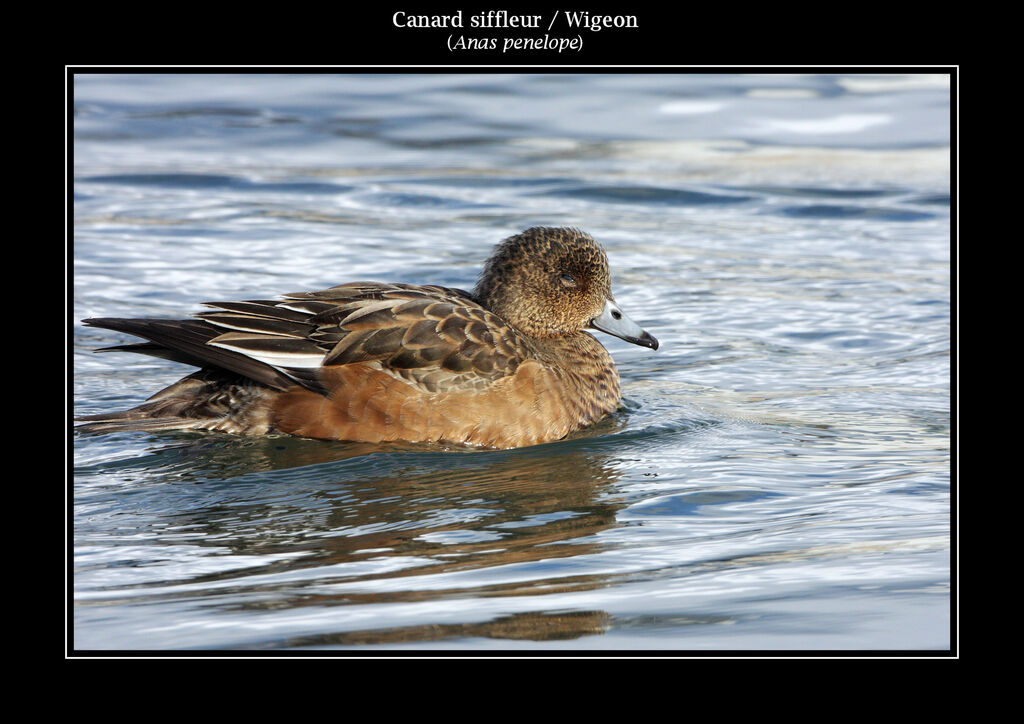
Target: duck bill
(615, 322)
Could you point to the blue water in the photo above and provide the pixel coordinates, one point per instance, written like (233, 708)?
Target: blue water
(779, 475)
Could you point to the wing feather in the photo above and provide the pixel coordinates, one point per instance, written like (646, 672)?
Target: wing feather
(434, 338)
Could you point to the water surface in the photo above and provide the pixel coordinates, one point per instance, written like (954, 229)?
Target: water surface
(778, 477)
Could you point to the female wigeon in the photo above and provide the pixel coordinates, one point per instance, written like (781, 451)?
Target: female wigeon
(504, 366)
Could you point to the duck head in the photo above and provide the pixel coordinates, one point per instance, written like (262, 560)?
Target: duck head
(548, 282)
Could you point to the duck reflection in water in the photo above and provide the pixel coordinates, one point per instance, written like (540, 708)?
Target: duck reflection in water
(413, 514)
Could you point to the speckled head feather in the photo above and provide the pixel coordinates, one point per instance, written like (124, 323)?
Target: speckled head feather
(545, 281)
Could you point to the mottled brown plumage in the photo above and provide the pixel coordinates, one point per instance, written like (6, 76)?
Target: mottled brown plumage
(506, 366)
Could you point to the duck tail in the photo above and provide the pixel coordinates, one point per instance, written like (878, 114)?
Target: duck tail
(210, 399)
(187, 341)
(126, 421)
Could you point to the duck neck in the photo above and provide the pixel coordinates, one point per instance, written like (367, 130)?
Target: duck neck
(583, 362)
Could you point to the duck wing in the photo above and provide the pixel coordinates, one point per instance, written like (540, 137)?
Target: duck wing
(434, 338)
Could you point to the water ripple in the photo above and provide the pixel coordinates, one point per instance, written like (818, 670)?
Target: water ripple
(779, 474)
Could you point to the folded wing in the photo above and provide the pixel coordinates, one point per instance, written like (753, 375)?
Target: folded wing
(434, 338)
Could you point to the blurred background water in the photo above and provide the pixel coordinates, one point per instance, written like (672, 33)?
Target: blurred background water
(779, 476)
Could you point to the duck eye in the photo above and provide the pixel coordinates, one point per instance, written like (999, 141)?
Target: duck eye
(569, 280)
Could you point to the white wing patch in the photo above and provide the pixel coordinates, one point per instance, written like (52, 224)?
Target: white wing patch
(275, 351)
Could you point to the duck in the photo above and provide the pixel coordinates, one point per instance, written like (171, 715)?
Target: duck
(507, 365)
